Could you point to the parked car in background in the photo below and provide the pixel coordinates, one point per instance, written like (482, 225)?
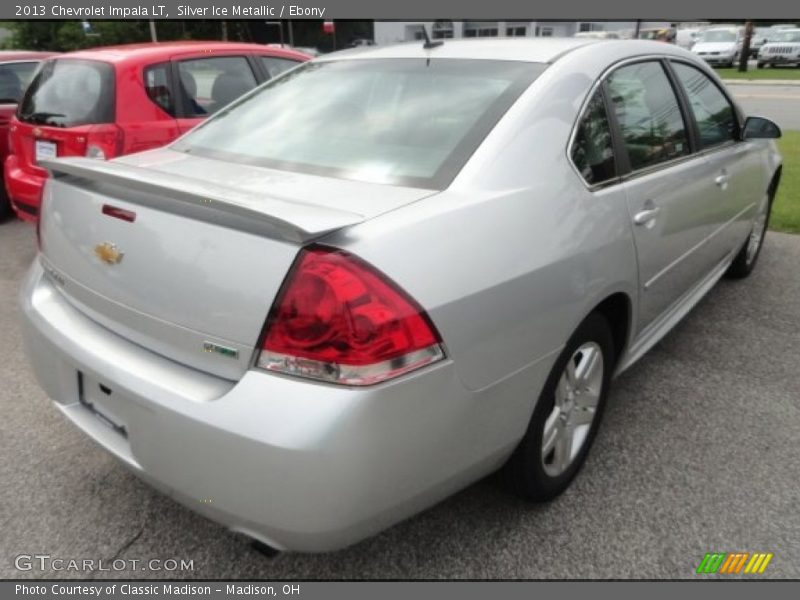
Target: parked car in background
(687, 37)
(16, 70)
(782, 49)
(720, 46)
(758, 39)
(106, 102)
(372, 283)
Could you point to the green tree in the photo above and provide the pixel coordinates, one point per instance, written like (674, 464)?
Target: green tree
(63, 36)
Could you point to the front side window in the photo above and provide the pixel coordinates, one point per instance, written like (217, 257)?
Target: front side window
(208, 84)
(68, 92)
(648, 113)
(394, 121)
(715, 116)
(592, 149)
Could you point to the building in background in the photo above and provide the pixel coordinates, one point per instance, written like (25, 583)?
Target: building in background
(392, 32)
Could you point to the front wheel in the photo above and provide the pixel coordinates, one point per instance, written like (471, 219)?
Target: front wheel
(566, 416)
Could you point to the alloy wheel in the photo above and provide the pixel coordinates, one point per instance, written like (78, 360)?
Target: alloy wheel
(576, 398)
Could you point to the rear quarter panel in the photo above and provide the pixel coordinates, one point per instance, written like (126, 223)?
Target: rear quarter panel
(517, 251)
(144, 124)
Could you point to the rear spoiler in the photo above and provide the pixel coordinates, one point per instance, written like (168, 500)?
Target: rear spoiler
(227, 206)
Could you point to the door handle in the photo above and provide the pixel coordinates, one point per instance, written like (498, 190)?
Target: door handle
(721, 180)
(643, 217)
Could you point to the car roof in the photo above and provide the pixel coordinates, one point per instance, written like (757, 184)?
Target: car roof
(12, 55)
(540, 50)
(163, 50)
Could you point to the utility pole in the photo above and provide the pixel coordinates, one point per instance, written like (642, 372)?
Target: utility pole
(153, 36)
(745, 53)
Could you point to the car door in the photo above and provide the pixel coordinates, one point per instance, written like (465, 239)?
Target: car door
(734, 166)
(208, 83)
(666, 185)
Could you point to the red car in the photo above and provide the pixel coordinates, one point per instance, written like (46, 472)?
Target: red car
(107, 102)
(16, 70)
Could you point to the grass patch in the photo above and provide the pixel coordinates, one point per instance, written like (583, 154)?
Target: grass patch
(770, 73)
(786, 209)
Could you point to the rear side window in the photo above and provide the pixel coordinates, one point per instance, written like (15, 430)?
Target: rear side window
(70, 92)
(648, 113)
(275, 66)
(715, 116)
(592, 149)
(208, 84)
(156, 84)
(14, 78)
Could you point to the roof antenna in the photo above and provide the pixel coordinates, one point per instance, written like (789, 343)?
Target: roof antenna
(428, 45)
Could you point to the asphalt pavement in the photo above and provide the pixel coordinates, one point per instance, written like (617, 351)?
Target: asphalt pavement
(781, 103)
(698, 452)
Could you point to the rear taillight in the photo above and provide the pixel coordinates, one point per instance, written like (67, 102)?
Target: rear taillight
(104, 141)
(340, 320)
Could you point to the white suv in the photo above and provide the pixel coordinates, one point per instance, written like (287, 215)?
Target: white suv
(783, 49)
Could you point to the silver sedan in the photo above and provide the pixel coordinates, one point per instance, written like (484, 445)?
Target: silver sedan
(390, 272)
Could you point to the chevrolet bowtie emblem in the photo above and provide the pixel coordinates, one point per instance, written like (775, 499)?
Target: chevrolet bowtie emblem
(108, 253)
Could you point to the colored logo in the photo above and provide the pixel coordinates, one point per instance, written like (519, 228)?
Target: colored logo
(734, 563)
(108, 253)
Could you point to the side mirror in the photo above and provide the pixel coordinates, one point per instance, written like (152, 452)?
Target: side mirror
(760, 128)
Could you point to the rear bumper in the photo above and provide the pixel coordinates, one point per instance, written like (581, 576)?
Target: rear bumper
(778, 59)
(298, 465)
(24, 189)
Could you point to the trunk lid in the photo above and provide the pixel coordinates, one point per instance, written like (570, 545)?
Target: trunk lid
(194, 274)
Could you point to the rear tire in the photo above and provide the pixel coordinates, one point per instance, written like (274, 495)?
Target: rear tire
(745, 261)
(566, 416)
(5, 205)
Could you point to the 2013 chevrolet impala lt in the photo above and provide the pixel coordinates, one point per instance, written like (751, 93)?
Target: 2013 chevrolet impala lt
(389, 272)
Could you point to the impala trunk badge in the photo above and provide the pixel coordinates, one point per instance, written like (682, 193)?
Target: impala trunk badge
(108, 253)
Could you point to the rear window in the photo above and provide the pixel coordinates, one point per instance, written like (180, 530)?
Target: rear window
(397, 121)
(69, 92)
(14, 78)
